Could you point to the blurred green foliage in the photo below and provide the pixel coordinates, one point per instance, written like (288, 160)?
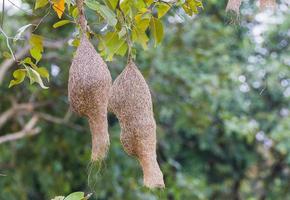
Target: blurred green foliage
(221, 97)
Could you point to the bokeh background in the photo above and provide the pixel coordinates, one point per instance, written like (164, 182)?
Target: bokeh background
(221, 94)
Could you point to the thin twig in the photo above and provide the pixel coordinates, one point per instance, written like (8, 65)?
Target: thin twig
(58, 120)
(8, 45)
(41, 20)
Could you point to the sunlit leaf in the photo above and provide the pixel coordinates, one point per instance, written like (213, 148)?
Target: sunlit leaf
(75, 13)
(141, 22)
(162, 9)
(61, 23)
(140, 37)
(75, 196)
(19, 76)
(36, 44)
(156, 30)
(191, 6)
(58, 7)
(43, 72)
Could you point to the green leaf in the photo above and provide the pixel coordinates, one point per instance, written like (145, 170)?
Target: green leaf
(162, 9)
(148, 2)
(61, 23)
(19, 76)
(43, 72)
(156, 30)
(75, 12)
(75, 196)
(104, 11)
(191, 6)
(111, 44)
(126, 6)
(34, 76)
(40, 3)
(140, 37)
(141, 22)
(36, 43)
(29, 61)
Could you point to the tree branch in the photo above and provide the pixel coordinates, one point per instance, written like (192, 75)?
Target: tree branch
(58, 120)
(28, 130)
(17, 108)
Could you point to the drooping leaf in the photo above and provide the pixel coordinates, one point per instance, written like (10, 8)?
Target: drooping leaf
(40, 3)
(20, 32)
(156, 30)
(75, 196)
(41, 70)
(36, 44)
(58, 7)
(19, 76)
(34, 76)
(104, 11)
(61, 23)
